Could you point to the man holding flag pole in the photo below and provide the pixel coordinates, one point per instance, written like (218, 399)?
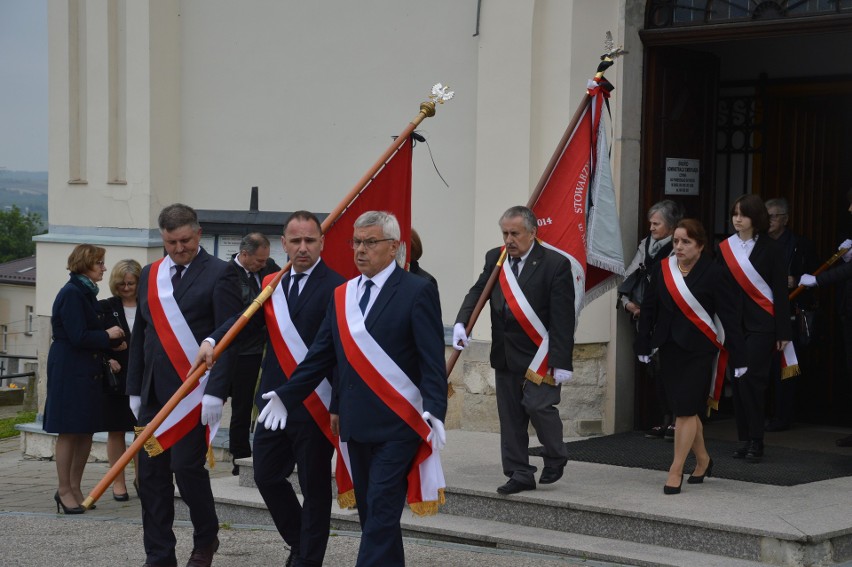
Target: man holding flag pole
(183, 297)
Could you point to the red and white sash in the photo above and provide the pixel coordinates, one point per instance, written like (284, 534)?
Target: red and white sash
(388, 381)
(759, 291)
(530, 323)
(698, 316)
(290, 350)
(181, 348)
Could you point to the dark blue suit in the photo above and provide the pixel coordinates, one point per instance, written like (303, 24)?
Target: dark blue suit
(405, 321)
(207, 294)
(305, 527)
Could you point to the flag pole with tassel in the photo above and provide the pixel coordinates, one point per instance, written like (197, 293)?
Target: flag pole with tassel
(439, 95)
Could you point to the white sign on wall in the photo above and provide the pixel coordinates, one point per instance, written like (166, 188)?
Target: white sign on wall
(682, 176)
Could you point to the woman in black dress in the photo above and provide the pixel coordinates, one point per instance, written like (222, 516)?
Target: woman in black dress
(120, 309)
(686, 291)
(75, 372)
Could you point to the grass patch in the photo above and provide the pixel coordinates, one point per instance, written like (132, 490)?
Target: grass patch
(7, 426)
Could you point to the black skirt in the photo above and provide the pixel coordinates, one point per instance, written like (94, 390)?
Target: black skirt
(686, 378)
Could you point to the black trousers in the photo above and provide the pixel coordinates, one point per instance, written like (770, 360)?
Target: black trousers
(750, 389)
(185, 460)
(243, 387)
(305, 527)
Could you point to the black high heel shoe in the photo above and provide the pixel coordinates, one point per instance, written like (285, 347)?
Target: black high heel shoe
(66, 509)
(120, 497)
(693, 479)
(673, 489)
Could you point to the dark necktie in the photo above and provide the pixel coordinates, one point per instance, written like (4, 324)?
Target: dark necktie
(293, 296)
(176, 278)
(255, 288)
(365, 299)
(514, 264)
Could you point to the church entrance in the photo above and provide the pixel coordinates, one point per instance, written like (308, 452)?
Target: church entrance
(760, 102)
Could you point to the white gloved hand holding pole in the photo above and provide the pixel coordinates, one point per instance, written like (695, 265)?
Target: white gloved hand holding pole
(460, 338)
(211, 410)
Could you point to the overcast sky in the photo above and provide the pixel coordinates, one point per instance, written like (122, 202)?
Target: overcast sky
(23, 85)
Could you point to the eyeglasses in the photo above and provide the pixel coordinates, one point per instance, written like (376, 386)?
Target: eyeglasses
(101, 264)
(126, 284)
(368, 244)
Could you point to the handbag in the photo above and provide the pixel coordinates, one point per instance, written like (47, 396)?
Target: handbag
(806, 325)
(110, 382)
(633, 286)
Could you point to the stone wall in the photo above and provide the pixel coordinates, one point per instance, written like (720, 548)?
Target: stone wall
(473, 406)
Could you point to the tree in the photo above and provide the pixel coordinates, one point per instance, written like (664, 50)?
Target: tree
(16, 233)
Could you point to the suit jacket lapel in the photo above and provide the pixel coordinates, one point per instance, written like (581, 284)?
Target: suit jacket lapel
(531, 264)
(387, 292)
(310, 287)
(190, 274)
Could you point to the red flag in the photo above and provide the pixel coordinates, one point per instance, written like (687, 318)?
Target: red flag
(576, 208)
(389, 190)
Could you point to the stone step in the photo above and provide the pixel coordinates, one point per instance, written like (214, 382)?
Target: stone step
(239, 505)
(737, 521)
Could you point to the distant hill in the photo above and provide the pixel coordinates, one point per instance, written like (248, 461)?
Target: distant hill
(26, 189)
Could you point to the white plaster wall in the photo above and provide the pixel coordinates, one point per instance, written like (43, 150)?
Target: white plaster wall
(13, 303)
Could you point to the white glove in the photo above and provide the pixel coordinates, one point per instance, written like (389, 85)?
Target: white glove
(807, 280)
(438, 436)
(845, 244)
(274, 414)
(459, 336)
(561, 376)
(135, 404)
(644, 358)
(211, 410)
(738, 372)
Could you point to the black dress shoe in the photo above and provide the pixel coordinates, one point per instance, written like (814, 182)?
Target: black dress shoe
(121, 497)
(203, 557)
(755, 452)
(740, 452)
(844, 442)
(513, 487)
(551, 474)
(236, 470)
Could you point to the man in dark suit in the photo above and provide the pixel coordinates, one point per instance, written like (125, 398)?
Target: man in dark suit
(308, 288)
(252, 263)
(194, 294)
(393, 320)
(525, 395)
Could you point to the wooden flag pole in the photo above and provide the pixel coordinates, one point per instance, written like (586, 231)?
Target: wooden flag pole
(427, 109)
(606, 63)
(828, 263)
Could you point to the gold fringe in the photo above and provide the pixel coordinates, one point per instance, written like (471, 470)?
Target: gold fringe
(428, 508)
(712, 405)
(450, 391)
(537, 379)
(346, 500)
(790, 371)
(151, 446)
(211, 460)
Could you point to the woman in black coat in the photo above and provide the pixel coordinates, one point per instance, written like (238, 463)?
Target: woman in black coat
(120, 309)
(766, 333)
(75, 372)
(687, 355)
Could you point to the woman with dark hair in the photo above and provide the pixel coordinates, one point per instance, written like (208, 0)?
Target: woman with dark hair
(75, 372)
(757, 264)
(120, 309)
(689, 314)
(663, 216)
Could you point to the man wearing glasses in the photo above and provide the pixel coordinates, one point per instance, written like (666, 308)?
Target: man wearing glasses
(384, 333)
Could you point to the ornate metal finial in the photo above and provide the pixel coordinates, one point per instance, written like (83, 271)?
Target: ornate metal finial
(611, 51)
(441, 94)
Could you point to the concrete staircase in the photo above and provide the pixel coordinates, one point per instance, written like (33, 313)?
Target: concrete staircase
(608, 513)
